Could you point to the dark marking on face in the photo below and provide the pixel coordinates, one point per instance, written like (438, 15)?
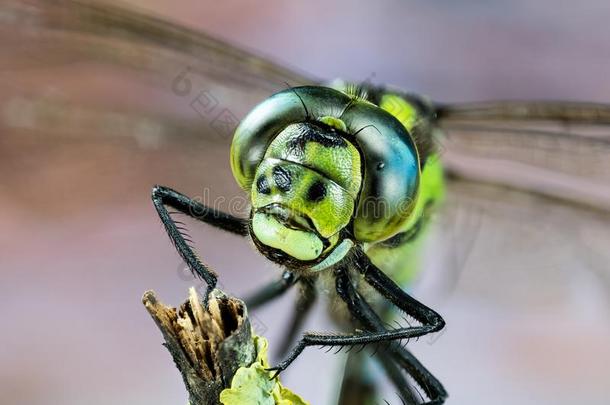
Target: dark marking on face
(316, 192)
(282, 178)
(320, 133)
(262, 185)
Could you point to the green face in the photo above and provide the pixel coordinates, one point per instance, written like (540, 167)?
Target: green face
(304, 190)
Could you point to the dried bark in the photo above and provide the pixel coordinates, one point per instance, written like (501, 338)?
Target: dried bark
(207, 345)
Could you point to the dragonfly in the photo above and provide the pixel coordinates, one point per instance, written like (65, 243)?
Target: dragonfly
(533, 173)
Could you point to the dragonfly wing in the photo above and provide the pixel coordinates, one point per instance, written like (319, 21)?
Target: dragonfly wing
(520, 245)
(97, 95)
(557, 149)
(44, 34)
(525, 292)
(529, 194)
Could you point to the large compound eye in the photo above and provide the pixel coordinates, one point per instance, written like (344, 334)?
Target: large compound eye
(391, 172)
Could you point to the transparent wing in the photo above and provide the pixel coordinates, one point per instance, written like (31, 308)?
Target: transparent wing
(542, 168)
(101, 95)
(556, 149)
(521, 245)
(97, 104)
(527, 218)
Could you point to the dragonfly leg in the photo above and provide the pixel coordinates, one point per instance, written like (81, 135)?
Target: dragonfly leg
(430, 320)
(424, 378)
(163, 196)
(355, 339)
(271, 291)
(396, 295)
(395, 353)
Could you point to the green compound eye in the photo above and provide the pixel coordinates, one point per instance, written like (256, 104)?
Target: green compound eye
(383, 179)
(391, 172)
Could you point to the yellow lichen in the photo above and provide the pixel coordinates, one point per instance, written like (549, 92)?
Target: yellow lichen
(254, 385)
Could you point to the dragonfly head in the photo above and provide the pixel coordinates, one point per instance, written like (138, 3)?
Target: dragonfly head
(322, 167)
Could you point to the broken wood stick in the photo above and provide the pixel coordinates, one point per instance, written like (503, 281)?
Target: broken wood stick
(208, 345)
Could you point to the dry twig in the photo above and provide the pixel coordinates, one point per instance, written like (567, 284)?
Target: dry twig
(208, 346)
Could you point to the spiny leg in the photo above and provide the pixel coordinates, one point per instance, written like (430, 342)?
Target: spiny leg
(424, 378)
(396, 295)
(406, 392)
(360, 387)
(363, 312)
(430, 320)
(163, 196)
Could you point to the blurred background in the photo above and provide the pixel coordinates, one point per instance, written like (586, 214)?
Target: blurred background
(85, 135)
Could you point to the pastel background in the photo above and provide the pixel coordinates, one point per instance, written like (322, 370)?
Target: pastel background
(80, 241)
